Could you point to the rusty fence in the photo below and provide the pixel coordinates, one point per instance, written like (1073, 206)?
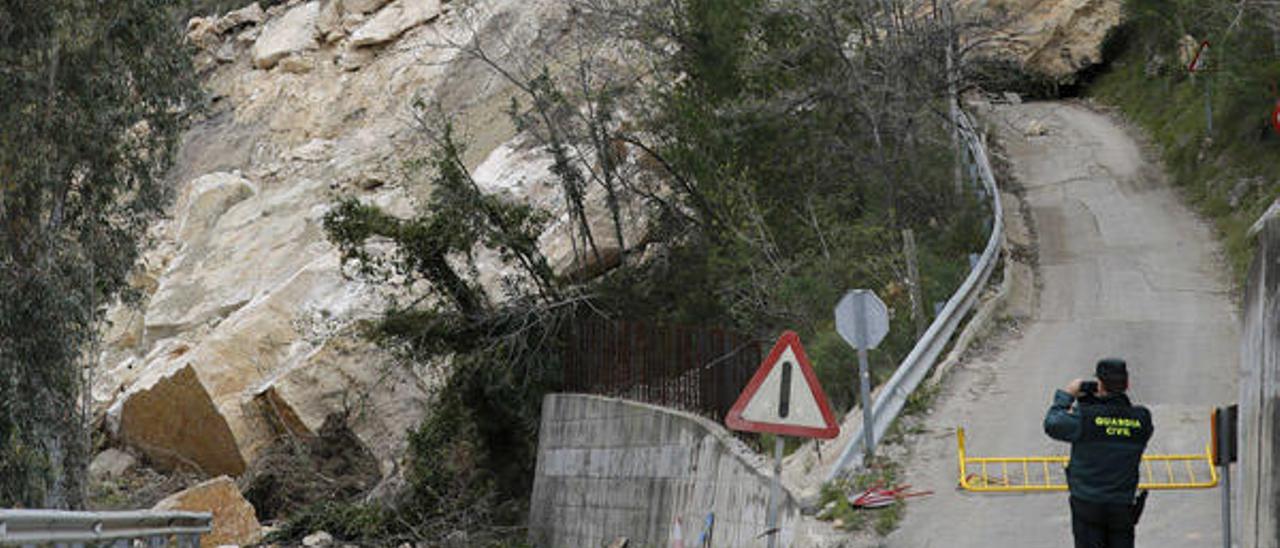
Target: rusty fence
(701, 370)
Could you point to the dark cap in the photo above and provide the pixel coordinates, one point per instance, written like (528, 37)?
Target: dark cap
(1112, 371)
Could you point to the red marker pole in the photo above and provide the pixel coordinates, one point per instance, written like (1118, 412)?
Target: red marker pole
(1198, 66)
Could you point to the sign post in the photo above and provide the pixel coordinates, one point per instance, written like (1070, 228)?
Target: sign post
(783, 398)
(862, 320)
(1224, 425)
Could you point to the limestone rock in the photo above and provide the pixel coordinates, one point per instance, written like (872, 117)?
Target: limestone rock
(329, 22)
(233, 517)
(248, 36)
(318, 538)
(208, 280)
(111, 464)
(201, 32)
(251, 14)
(245, 326)
(355, 58)
(293, 32)
(208, 198)
(180, 417)
(300, 398)
(363, 6)
(297, 64)
(1056, 38)
(394, 20)
(176, 423)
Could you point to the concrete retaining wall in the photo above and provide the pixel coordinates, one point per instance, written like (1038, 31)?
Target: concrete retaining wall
(1259, 465)
(611, 468)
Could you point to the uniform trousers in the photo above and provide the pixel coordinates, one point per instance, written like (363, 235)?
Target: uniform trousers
(1099, 525)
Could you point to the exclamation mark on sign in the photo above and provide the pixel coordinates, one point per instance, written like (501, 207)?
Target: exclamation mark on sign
(784, 399)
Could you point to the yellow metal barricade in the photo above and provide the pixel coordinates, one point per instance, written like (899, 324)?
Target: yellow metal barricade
(1034, 474)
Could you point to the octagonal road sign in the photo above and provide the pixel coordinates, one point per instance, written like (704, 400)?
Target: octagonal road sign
(861, 307)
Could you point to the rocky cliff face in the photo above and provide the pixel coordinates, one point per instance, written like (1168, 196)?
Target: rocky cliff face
(246, 328)
(1055, 38)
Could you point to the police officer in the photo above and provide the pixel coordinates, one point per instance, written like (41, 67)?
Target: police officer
(1107, 434)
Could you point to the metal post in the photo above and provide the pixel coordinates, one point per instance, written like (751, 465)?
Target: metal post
(1224, 447)
(1208, 106)
(913, 278)
(864, 379)
(775, 494)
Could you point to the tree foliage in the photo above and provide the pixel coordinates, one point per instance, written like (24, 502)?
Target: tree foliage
(94, 95)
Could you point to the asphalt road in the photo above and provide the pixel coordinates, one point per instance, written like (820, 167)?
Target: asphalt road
(1125, 269)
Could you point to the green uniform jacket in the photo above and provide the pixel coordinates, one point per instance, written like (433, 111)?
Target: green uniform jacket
(1107, 438)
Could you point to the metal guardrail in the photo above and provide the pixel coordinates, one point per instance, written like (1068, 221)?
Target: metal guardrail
(116, 529)
(912, 370)
(1039, 474)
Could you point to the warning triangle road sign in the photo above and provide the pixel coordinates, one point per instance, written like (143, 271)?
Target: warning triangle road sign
(784, 397)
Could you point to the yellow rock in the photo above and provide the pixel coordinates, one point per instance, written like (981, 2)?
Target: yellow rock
(234, 521)
(176, 423)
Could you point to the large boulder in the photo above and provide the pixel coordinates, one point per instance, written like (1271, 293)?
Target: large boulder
(385, 400)
(393, 20)
(173, 420)
(291, 33)
(270, 368)
(1055, 38)
(234, 522)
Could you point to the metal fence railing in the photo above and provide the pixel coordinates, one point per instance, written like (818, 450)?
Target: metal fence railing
(912, 370)
(701, 370)
(114, 529)
(1032, 474)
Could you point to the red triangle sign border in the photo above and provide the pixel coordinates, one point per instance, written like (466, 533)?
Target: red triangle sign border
(735, 421)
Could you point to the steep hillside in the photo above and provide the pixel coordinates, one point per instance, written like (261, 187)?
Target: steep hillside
(247, 327)
(247, 330)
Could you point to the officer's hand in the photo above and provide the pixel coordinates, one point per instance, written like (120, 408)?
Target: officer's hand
(1073, 388)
